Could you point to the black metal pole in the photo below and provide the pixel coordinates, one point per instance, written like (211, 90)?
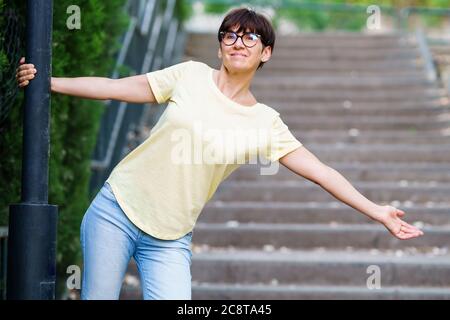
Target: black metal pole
(31, 272)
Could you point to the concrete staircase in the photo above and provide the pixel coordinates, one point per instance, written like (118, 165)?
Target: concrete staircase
(362, 104)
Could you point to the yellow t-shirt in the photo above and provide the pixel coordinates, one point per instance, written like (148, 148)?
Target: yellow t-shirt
(200, 139)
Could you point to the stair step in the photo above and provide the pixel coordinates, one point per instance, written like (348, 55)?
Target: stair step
(305, 122)
(308, 236)
(341, 94)
(440, 104)
(429, 127)
(223, 291)
(356, 137)
(325, 123)
(380, 153)
(317, 95)
(347, 108)
(211, 291)
(318, 64)
(305, 190)
(345, 74)
(377, 153)
(320, 267)
(403, 173)
(344, 83)
(237, 212)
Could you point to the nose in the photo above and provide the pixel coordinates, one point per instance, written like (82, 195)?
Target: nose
(241, 42)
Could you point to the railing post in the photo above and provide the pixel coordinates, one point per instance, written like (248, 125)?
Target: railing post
(31, 272)
(430, 69)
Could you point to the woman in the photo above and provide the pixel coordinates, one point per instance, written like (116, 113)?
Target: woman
(148, 206)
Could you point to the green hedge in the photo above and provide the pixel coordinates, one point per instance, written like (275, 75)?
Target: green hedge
(74, 122)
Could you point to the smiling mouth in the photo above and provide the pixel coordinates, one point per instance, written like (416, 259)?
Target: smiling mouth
(238, 55)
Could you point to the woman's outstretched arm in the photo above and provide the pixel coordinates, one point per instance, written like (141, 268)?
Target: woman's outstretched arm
(307, 165)
(134, 89)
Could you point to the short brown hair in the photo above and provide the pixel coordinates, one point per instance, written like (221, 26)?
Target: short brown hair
(247, 18)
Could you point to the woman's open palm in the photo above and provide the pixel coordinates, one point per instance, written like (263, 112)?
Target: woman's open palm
(396, 226)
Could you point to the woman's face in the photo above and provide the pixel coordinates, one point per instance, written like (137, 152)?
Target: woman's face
(240, 58)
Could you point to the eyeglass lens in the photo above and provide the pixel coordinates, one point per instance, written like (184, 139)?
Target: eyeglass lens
(249, 39)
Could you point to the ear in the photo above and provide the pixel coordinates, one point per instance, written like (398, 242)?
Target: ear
(266, 54)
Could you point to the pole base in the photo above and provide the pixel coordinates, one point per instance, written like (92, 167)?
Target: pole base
(31, 272)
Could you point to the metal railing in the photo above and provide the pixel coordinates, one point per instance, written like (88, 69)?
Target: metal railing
(427, 41)
(430, 68)
(150, 43)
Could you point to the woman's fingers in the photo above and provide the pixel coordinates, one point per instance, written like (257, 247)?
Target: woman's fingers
(23, 84)
(404, 235)
(25, 73)
(25, 68)
(408, 233)
(21, 65)
(411, 228)
(27, 76)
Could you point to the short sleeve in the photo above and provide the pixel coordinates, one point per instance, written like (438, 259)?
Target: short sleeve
(163, 82)
(282, 141)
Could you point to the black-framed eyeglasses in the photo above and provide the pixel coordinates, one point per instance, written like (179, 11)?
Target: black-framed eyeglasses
(249, 39)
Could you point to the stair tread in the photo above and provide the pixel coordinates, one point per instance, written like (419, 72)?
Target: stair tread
(300, 182)
(311, 204)
(398, 165)
(318, 288)
(433, 257)
(334, 226)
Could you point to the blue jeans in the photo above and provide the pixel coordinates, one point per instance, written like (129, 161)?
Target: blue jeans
(109, 240)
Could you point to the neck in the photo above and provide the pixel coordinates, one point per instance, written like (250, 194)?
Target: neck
(235, 85)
